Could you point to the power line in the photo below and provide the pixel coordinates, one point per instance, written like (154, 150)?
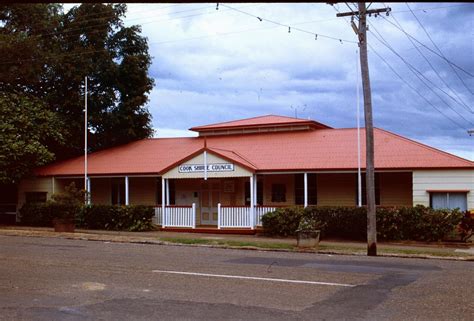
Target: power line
(439, 50)
(428, 48)
(416, 72)
(233, 32)
(408, 84)
(414, 89)
(102, 49)
(316, 35)
(434, 8)
(460, 102)
(83, 28)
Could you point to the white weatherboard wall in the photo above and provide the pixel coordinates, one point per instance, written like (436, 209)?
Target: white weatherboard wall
(211, 159)
(442, 180)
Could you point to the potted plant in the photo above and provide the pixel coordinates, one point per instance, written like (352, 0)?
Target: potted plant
(308, 232)
(65, 206)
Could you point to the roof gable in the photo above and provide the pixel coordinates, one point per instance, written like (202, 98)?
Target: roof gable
(219, 165)
(267, 121)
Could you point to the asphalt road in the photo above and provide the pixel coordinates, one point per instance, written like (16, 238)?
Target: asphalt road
(58, 279)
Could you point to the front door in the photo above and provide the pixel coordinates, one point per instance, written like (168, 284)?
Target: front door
(210, 197)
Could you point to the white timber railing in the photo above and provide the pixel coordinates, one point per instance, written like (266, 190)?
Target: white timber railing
(158, 219)
(177, 216)
(241, 216)
(260, 211)
(233, 216)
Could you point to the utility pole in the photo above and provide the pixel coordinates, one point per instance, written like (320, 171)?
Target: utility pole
(361, 32)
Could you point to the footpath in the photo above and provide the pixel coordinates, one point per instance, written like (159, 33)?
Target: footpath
(438, 250)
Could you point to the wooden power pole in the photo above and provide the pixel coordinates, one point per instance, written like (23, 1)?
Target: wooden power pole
(361, 31)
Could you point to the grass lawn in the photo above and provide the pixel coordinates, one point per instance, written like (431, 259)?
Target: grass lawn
(230, 243)
(323, 248)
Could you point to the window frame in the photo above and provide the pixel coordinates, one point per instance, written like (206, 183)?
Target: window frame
(447, 193)
(278, 196)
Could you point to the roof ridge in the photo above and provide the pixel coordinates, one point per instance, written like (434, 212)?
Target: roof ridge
(232, 121)
(436, 150)
(222, 124)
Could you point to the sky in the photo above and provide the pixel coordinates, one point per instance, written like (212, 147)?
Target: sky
(219, 63)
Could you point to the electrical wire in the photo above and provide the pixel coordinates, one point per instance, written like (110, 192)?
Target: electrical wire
(414, 89)
(288, 26)
(234, 32)
(433, 8)
(460, 102)
(102, 49)
(437, 48)
(416, 72)
(408, 84)
(428, 48)
(84, 28)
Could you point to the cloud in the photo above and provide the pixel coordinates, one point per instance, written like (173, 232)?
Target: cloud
(218, 65)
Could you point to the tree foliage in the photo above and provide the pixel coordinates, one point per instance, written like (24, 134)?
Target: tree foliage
(25, 127)
(46, 53)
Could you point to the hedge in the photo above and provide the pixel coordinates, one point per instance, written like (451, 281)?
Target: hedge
(117, 218)
(417, 223)
(36, 214)
(105, 217)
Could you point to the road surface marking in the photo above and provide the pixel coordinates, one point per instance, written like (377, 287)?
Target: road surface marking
(253, 278)
(93, 286)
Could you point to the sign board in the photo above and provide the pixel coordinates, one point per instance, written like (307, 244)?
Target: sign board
(196, 168)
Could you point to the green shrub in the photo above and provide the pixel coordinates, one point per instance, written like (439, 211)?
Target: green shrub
(67, 205)
(117, 218)
(36, 214)
(417, 223)
(466, 228)
(103, 217)
(282, 221)
(340, 221)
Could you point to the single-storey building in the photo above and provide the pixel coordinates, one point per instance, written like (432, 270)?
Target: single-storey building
(234, 172)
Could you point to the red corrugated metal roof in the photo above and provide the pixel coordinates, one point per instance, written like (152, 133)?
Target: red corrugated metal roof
(324, 149)
(260, 121)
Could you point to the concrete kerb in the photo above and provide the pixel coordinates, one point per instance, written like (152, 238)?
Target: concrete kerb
(125, 237)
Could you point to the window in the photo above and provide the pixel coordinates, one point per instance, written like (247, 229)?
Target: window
(118, 192)
(449, 200)
(259, 193)
(364, 189)
(35, 197)
(299, 189)
(278, 193)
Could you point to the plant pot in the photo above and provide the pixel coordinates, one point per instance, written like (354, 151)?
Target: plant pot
(307, 238)
(64, 225)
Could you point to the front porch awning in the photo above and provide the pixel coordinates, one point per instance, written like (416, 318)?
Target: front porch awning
(211, 164)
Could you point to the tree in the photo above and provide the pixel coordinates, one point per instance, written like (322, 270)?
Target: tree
(48, 53)
(25, 125)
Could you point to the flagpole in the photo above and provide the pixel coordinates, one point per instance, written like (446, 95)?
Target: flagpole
(85, 143)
